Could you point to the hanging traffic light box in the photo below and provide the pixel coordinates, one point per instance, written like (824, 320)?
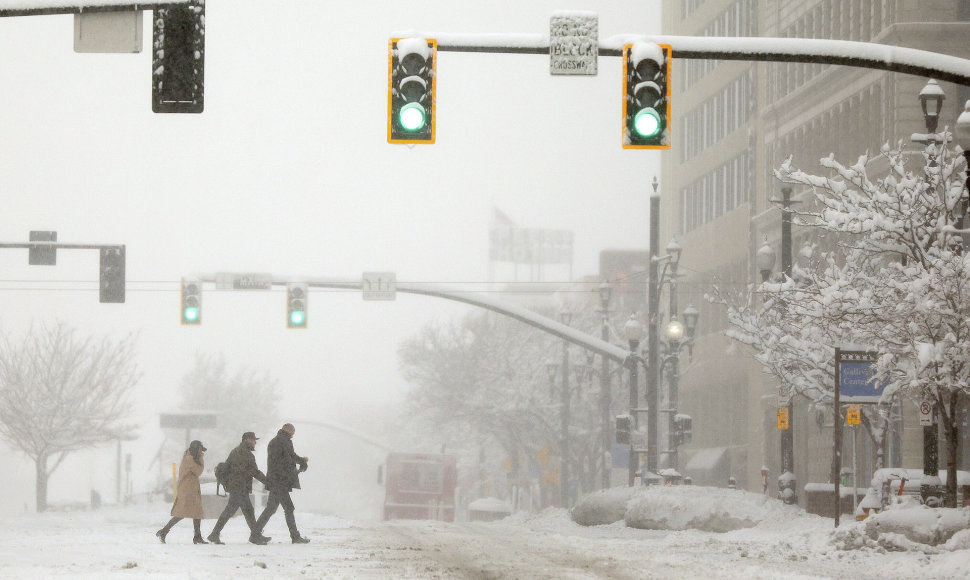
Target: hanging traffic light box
(191, 301)
(296, 302)
(646, 96)
(112, 274)
(178, 58)
(411, 90)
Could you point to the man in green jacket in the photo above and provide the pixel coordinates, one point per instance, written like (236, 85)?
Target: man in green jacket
(242, 470)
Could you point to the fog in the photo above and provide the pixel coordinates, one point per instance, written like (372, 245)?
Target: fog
(288, 172)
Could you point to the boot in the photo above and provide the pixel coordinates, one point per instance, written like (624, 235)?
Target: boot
(300, 540)
(161, 534)
(214, 539)
(197, 525)
(259, 539)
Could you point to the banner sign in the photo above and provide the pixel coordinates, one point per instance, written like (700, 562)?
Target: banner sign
(531, 245)
(856, 372)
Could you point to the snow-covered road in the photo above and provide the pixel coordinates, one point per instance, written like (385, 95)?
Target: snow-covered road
(120, 543)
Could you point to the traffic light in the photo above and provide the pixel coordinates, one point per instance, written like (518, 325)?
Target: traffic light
(178, 58)
(624, 426)
(646, 96)
(682, 429)
(411, 90)
(191, 301)
(783, 418)
(112, 278)
(296, 301)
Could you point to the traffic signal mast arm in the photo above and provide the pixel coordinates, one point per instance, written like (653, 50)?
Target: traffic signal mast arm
(45, 8)
(841, 52)
(479, 299)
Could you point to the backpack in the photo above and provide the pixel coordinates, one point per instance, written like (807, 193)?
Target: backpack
(222, 472)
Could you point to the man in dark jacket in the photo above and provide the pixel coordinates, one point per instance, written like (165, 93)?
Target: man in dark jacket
(282, 478)
(242, 470)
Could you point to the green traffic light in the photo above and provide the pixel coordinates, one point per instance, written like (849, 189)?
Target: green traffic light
(647, 123)
(297, 318)
(191, 313)
(412, 117)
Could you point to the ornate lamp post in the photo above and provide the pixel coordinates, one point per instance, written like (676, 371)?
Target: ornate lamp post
(634, 333)
(605, 293)
(931, 99)
(565, 316)
(962, 135)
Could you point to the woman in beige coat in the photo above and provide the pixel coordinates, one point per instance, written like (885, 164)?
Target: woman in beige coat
(188, 494)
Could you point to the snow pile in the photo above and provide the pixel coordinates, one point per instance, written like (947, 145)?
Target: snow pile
(710, 509)
(918, 523)
(602, 507)
(682, 507)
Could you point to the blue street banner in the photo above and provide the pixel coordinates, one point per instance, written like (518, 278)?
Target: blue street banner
(857, 371)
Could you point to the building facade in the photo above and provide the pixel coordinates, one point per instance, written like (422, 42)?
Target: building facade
(733, 122)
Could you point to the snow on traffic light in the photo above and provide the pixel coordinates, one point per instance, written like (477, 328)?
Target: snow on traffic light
(112, 275)
(411, 90)
(624, 427)
(178, 58)
(646, 96)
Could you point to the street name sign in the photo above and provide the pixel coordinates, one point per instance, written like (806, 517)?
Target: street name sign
(187, 420)
(243, 281)
(379, 285)
(573, 42)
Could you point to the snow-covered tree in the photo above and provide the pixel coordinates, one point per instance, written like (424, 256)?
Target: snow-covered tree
(902, 287)
(791, 343)
(61, 393)
(245, 401)
(483, 381)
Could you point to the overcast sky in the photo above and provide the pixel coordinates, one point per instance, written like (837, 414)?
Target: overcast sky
(288, 171)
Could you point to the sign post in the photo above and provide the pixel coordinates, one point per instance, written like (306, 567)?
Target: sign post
(855, 382)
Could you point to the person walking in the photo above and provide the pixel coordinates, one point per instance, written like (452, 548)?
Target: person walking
(242, 471)
(282, 477)
(188, 494)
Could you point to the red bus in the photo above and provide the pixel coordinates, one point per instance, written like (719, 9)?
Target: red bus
(420, 487)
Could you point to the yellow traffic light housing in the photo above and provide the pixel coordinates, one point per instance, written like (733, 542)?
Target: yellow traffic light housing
(411, 90)
(646, 96)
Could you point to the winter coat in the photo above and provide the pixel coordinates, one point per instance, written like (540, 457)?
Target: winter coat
(188, 494)
(242, 470)
(281, 462)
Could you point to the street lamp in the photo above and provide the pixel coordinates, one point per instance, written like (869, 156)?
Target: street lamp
(691, 315)
(633, 331)
(605, 292)
(931, 99)
(565, 316)
(766, 260)
(674, 330)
